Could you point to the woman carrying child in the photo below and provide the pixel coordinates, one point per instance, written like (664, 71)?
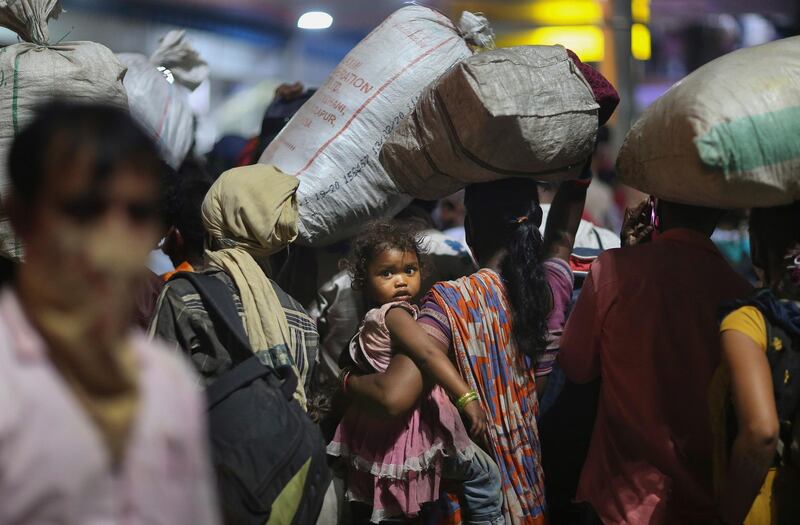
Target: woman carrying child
(395, 464)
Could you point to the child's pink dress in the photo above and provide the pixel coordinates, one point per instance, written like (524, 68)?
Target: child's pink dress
(394, 464)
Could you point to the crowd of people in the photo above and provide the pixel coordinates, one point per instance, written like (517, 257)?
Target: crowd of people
(541, 370)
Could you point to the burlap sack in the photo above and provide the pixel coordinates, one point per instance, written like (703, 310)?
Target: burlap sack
(333, 141)
(725, 136)
(513, 112)
(158, 98)
(36, 71)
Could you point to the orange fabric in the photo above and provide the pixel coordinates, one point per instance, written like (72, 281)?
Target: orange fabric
(182, 267)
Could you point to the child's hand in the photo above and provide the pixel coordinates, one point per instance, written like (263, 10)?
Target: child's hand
(477, 418)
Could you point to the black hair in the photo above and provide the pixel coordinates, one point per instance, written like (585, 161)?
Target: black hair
(185, 211)
(508, 210)
(698, 218)
(773, 232)
(60, 131)
(277, 115)
(377, 237)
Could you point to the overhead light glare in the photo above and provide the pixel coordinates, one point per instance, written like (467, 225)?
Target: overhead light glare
(315, 20)
(587, 42)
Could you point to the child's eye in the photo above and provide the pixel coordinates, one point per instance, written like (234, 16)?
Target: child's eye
(386, 273)
(411, 270)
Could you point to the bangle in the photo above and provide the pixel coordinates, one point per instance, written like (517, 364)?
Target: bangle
(344, 377)
(466, 399)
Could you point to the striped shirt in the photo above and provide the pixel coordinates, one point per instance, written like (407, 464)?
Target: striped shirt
(182, 322)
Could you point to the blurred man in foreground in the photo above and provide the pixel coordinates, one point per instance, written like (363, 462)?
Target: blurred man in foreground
(97, 424)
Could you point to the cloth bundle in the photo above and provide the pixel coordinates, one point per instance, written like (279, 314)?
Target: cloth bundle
(333, 141)
(36, 70)
(514, 112)
(725, 136)
(158, 89)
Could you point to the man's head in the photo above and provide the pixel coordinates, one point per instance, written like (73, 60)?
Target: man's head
(698, 218)
(185, 238)
(85, 202)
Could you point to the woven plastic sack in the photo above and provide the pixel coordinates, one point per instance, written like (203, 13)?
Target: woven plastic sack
(36, 70)
(513, 112)
(725, 136)
(158, 89)
(332, 142)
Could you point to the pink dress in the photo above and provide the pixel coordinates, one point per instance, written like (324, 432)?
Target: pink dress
(394, 464)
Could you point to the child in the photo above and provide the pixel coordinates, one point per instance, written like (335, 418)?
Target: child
(395, 464)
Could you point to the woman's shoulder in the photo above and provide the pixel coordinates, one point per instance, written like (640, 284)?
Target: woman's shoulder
(748, 320)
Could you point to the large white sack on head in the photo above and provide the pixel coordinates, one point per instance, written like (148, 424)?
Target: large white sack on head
(34, 71)
(162, 106)
(514, 112)
(333, 142)
(726, 136)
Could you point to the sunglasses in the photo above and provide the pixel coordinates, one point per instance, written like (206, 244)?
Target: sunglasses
(87, 209)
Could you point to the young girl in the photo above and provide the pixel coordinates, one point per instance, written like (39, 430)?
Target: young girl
(395, 464)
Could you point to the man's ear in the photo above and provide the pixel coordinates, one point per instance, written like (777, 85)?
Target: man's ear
(173, 243)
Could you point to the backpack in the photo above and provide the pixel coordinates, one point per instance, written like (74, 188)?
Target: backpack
(269, 457)
(783, 355)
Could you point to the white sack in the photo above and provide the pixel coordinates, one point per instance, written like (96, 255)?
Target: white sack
(36, 71)
(162, 107)
(513, 112)
(726, 135)
(333, 142)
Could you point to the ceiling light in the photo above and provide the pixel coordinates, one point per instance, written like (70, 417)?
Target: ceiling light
(315, 20)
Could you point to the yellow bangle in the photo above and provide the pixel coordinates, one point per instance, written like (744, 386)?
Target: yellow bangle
(466, 399)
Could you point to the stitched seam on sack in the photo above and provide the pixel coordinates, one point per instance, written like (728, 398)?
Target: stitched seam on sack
(15, 121)
(371, 98)
(15, 96)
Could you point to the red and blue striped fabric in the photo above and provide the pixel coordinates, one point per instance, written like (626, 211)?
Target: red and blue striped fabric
(480, 320)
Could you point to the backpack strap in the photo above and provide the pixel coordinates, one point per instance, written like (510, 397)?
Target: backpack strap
(217, 299)
(244, 374)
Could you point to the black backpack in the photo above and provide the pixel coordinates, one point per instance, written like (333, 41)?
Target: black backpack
(783, 354)
(269, 457)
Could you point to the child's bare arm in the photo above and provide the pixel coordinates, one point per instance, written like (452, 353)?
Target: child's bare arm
(394, 392)
(432, 359)
(425, 352)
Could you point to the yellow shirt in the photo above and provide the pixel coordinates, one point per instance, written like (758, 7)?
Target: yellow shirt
(749, 321)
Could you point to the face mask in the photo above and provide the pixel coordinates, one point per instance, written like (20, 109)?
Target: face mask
(80, 294)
